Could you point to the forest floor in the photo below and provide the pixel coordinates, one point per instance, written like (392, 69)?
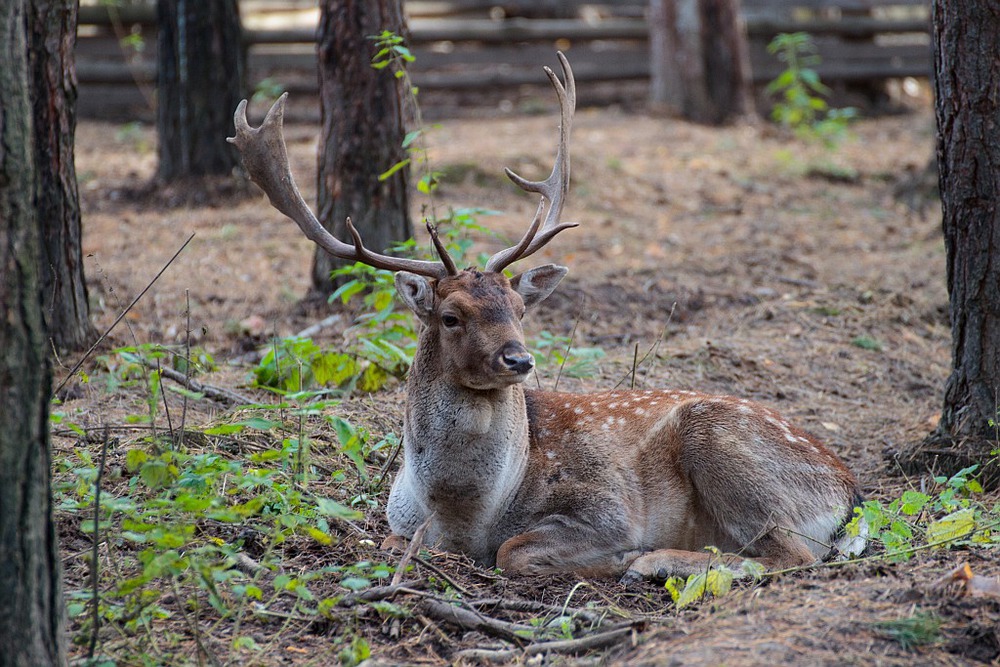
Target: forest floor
(736, 260)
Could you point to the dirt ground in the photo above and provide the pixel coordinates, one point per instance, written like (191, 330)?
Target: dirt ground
(748, 262)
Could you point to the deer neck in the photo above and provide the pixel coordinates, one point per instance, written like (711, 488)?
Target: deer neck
(466, 450)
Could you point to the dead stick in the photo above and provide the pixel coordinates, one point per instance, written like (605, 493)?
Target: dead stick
(118, 319)
(535, 607)
(314, 329)
(471, 620)
(443, 575)
(571, 646)
(411, 551)
(226, 396)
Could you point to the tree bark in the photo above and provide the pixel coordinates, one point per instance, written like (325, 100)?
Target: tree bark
(51, 45)
(31, 607)
(966, 38)
(362, 131)
(200, 80)
(700, 60)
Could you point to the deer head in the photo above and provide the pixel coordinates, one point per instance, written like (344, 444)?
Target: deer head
(471, 318)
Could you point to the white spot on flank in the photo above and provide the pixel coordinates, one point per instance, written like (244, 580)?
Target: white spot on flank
(613, 405)
(578, 410)
(565, 405)
(640, 411)
(550, 454)
(621, 421)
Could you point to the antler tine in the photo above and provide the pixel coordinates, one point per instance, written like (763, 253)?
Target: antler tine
(554, 188)
(266, 160)
(446, 260)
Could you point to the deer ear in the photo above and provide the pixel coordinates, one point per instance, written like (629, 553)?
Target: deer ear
(417, 293)
(534, 285)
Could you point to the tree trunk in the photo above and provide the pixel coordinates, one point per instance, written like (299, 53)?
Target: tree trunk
(700, 60)
(362, 131)
(52, 40)
(966, 39)
(31, 605)
(200, 71)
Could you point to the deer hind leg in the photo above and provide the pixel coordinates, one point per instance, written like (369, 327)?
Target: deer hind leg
(776, 550)
(560, 545)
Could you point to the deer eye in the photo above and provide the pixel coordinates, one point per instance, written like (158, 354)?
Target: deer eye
(450, 320)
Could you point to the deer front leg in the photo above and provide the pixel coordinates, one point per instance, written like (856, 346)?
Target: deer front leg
(774, 551)
(560, 545)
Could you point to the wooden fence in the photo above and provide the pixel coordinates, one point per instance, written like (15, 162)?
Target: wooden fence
(479, 53)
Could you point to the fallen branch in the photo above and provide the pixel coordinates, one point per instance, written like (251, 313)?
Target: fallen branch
(411, 551)
(535, 607)
(314, 329)
(592, 642)
(225, 396)
(378, 593)
(472, 620)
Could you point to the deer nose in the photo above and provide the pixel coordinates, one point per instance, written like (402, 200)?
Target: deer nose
(516, 358)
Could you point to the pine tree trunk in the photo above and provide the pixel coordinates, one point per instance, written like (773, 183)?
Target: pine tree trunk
(201, 65)
(362, 131)
(700, 60)
(31, 606)
(52, 40)
(966, 40)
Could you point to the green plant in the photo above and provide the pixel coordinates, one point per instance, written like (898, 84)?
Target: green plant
(715, 581)
(911, 631)
(267, 90)
(554, 352)
(866, 342)
(178, 519)
(949, 515)
(801, 104)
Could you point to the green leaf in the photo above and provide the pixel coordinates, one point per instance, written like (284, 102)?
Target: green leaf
(224, 429)
(246, 642)
(716, 581)
(355, 583)
(952, 527)
(332, 508)
(913, 502)
(410, 137)
(393, 169)
(134, 458)
(318, 535)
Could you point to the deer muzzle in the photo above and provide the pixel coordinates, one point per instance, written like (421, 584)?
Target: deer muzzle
(515, 358)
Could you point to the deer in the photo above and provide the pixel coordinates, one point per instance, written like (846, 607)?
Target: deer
(630, 484)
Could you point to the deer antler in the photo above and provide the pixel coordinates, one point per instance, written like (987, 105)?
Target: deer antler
(266, 160)
(553, 189)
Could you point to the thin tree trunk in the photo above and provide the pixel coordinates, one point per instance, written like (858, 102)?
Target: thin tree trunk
(52, 40)
(200, 62)
(966, 40)
(700, 60)
(31, 606)
(362, 131)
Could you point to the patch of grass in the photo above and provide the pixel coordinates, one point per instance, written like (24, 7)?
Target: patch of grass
(909, 632)
(866, 342)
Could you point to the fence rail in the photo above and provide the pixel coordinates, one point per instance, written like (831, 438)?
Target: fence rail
(494, 48)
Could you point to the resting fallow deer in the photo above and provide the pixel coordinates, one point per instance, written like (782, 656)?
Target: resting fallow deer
(632, 483)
